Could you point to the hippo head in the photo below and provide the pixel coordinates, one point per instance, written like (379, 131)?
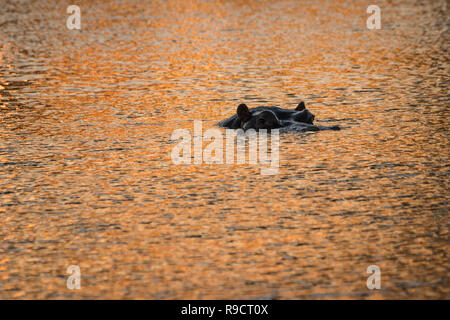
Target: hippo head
(303, 114)
(263, 119)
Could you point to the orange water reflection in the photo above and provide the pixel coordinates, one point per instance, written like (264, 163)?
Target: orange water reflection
(87, 178)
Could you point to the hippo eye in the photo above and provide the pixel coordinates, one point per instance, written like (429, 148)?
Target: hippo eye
(261, 121)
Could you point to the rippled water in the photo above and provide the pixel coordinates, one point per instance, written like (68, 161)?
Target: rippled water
(86, 176)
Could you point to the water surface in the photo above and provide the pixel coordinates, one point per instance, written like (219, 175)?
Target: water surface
(86, 176)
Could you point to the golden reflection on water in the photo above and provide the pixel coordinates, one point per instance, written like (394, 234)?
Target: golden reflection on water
(87, 178)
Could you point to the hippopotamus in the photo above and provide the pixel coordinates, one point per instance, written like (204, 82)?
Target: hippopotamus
(300, 119)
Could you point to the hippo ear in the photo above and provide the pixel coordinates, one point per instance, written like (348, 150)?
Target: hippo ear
(300, 107)
(243, 113)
